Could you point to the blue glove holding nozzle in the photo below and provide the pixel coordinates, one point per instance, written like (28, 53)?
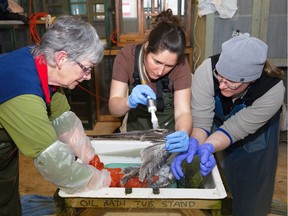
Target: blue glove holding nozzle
(207, 160)
(139, 95)
(177, 142)
(189, 155)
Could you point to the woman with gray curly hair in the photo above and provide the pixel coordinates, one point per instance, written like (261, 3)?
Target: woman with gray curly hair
(35, 116)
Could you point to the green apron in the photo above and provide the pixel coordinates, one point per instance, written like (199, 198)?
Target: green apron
(140, 118)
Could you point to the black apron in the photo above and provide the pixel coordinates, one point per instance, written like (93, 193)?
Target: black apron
(250, 164)
(9, 176)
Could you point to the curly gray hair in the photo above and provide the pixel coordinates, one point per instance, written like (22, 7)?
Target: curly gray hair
(74, 36)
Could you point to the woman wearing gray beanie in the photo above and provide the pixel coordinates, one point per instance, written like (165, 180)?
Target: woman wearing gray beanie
(236, 102)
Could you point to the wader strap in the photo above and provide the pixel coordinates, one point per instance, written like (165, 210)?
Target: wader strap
(160, 100)
(136, 68)
(214, 60)
(4, 136)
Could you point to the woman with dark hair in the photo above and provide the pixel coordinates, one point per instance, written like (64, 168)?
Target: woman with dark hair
(157, 69)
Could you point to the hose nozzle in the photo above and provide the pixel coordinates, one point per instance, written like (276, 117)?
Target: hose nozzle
(151, 105)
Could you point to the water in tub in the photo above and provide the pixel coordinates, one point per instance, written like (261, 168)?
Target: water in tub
(153, 168)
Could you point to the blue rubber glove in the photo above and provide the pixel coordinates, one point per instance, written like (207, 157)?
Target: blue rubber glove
(189, 155)
(207, 160)
(177, 142)
(139, 95)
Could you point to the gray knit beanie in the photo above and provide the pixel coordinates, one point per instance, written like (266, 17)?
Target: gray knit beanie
(242, 58)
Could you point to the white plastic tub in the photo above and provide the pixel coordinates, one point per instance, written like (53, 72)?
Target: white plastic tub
(116, 151)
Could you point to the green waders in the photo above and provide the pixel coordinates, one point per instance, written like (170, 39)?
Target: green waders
(140, 118)
(10, 204)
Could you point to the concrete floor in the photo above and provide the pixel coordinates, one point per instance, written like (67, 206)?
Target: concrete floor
(32, 183)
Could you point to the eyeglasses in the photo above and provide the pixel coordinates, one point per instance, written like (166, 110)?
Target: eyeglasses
(86, 70)
(229, 84)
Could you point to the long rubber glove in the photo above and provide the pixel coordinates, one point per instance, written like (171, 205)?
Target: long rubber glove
(116, 175)
(207, 160)
(134, 182)
(177, 142)
(189, 155)
(96, 163)
(70, 130)
(139, 95)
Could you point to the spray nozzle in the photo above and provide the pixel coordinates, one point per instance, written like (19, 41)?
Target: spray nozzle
(151, 105)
